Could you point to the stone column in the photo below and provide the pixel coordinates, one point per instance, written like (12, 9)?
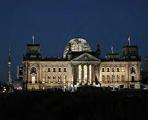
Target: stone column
(88, 74)
(74, 74)
(85, 73)
(79, 73)
(92, 77)
(127, 78)
(82, 74)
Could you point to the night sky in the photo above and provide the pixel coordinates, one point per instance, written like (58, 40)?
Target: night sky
(55, 22)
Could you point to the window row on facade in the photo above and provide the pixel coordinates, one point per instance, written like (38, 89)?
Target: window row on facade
(111, 78)
(113, 69)
(51, 79)
(57, 77)
(57, 70)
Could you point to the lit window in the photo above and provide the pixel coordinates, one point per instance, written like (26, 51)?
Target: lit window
(123, 70)
(65, 78)
(33, 79)
(43, 80)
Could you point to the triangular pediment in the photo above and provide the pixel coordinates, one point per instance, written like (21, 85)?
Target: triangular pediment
(85, 57)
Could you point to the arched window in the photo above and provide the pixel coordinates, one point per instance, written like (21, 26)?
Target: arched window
(103, 70)
(48, 69)
(65, 70)
(108, 70)
(59, 69)
(118, 70)
(33, 70)
(132, 70)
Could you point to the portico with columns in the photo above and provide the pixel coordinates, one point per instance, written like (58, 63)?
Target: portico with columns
(84, 69)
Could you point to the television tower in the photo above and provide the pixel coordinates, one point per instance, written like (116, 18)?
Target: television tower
(9, 68)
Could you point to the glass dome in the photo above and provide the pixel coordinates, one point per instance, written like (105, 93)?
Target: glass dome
(77, 45)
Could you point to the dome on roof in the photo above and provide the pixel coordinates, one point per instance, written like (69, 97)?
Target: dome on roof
(77, 45)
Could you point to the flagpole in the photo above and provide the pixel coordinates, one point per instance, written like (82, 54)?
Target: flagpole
(33, 38)
(112, 49)
(129, 40)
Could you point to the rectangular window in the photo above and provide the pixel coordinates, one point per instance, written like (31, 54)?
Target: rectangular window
(59, 69)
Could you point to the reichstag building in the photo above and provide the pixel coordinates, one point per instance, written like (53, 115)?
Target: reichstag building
(80, 66)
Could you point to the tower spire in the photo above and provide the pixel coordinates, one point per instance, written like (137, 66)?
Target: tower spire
(9, 67)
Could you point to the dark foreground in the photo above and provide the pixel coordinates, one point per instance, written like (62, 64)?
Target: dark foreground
(86, 104)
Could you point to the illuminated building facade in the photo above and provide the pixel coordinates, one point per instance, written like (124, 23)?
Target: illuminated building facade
(80, 66)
